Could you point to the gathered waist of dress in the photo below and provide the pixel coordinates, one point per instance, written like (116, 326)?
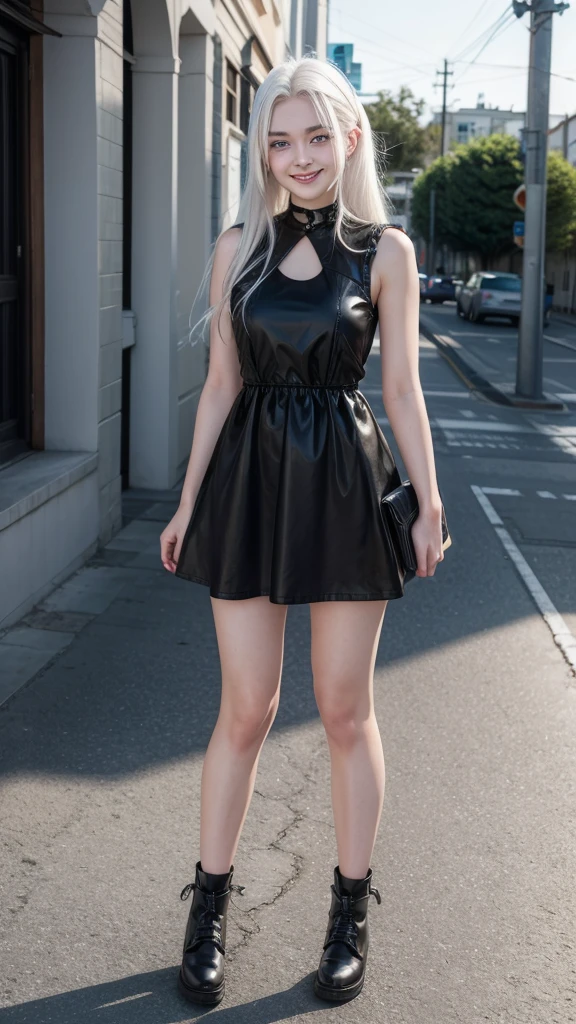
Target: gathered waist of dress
(275, 384)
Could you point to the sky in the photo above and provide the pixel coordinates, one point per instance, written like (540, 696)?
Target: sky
(406, 43)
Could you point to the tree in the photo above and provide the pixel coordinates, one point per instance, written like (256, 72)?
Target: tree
(396, 120)
(474, 209)
(560, 202)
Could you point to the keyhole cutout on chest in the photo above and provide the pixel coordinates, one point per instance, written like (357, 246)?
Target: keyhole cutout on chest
(301, 263)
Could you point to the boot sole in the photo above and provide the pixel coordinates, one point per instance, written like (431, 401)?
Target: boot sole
(206, 998)
(337, 995)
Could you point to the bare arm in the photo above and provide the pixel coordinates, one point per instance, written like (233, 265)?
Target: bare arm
(395, 277)
(220, 389)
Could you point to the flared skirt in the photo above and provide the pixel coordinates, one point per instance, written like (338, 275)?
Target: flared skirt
(289, 506)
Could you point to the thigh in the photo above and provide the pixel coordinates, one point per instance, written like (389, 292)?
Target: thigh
(250, 635)
(344, 644)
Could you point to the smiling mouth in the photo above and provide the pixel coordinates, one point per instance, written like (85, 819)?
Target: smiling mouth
(305, 178)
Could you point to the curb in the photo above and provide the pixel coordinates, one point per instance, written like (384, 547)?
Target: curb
(476, 382)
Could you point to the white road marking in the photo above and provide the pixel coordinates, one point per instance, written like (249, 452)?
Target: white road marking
(560, 341)
(448, 394)
(563, 437)
(570, 396)
(569, 497)
(495, 341)
(482, 444)
(426, 392)
(564, 639)
(468, 413)
(546, 494)
(500, 428)
(502, 490)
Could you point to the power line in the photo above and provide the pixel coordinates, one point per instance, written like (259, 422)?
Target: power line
(480, 10)
(486, 35)
(498, 31)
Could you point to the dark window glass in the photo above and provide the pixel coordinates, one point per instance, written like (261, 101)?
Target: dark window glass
(231, 93)
(14, 353)
(502, 284)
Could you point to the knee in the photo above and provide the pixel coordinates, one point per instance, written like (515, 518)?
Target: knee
(247, 721)
(343, 718)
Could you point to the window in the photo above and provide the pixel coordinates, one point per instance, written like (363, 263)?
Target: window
(502, 284)
(231, 93)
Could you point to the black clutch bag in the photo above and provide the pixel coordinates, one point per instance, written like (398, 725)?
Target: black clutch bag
(400, 508)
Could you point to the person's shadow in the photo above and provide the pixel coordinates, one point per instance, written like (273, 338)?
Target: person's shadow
(153, 998)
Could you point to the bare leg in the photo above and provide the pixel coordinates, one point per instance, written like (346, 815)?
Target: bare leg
(250, 637)
(345, 638)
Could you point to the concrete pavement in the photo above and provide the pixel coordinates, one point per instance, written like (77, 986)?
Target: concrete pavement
(102, 752)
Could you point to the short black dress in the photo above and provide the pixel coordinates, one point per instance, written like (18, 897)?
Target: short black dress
(289, 506)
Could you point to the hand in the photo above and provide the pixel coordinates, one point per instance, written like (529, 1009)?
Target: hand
(427, 539)
(171, 538)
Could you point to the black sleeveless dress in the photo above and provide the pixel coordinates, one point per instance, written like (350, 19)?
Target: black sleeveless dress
(289, 506)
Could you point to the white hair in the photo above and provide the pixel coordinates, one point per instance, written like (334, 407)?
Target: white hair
(359, 192)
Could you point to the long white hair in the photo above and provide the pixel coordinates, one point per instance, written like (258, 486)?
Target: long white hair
(360, 195)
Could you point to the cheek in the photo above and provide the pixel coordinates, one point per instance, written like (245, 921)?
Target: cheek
(328, 158)
(279, 161)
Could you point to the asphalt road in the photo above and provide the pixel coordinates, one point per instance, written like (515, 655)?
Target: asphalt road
(476, 856)
(494, 345)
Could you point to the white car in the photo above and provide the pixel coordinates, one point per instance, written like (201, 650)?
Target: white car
(490, 293)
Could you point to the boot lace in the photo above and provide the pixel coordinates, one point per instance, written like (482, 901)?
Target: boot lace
(344, 927)
(208, 928)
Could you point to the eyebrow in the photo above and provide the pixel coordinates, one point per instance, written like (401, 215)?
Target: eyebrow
(307, 131)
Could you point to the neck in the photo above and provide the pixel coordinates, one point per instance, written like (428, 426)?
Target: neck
(313, 215)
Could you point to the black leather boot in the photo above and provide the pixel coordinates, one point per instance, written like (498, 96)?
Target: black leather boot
(340, 975)
(201, 977)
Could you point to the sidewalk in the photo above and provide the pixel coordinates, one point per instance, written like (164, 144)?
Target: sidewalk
(41, 636)
(492, 374)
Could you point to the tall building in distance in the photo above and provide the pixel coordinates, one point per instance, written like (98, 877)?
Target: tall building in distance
(342, 54)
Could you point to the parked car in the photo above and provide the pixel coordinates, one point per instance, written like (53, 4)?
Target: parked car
(495, 293)
(439, 288)
(422, 278)
(490, 293)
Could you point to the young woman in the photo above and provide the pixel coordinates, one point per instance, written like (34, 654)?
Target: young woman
(281, 500)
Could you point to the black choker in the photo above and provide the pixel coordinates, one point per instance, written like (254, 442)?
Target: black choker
(325, 217)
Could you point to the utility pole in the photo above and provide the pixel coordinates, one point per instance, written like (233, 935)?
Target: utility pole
(444, 75)
(530, 335)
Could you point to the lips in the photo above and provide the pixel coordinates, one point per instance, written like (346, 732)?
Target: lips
(305, 179)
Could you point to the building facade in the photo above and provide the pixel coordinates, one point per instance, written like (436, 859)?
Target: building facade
(562, 137)
(469, 123)
(122, 141)
(342, 54)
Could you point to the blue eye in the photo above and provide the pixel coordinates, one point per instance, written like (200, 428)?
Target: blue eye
(323, 137)
(278, 144)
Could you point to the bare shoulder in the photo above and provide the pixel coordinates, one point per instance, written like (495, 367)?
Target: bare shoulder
(395, 255)
(227, 244)
(394, 241)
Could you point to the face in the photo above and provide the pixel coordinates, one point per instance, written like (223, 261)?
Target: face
(300, 154)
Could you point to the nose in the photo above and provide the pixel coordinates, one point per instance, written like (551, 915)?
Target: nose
(303, 158)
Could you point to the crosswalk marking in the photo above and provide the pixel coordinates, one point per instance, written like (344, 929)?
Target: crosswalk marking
(502, 490)
(511, 492)
(487, 426)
